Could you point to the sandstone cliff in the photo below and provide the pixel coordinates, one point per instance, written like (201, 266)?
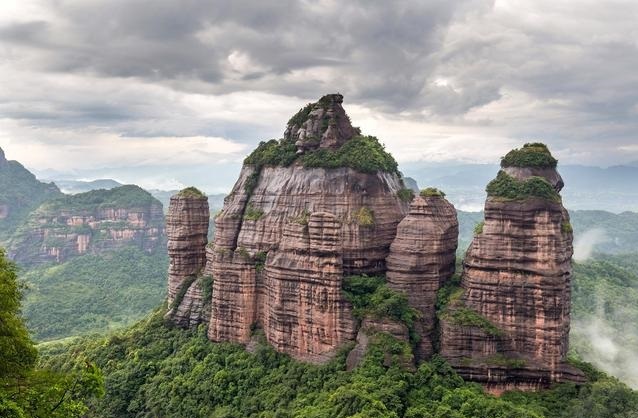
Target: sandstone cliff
(297, 220)
(508, 327)
(187, 231)
(89, 222)
(422, 258)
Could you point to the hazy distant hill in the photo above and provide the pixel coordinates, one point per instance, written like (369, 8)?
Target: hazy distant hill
(613, 189)
(80, 186)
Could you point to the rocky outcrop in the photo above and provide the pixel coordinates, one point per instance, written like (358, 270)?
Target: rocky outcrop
(93, 222)
(324, 124)
(509, 327)
(272, 210)
(187, 230)
(422, 258)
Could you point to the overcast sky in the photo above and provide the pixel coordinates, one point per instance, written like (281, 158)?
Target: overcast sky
(169, 93)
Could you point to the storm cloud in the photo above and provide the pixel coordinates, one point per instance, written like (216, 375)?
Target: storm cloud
(436, 81)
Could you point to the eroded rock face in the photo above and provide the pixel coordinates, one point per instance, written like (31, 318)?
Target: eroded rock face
(517, 275)
(286, 237)
(304, 313)
(324, 124)
(422, 257)
(187, 230)
(285, 196)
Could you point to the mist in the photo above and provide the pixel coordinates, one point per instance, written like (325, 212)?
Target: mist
(586, 243)
(600, 344)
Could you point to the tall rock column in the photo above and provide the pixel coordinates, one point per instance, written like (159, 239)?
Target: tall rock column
(187, 231)
(509, 327)
(422, 257)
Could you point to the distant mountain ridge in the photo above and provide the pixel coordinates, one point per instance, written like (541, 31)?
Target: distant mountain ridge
(20, 193)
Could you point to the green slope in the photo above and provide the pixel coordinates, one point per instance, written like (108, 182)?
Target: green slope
(20, 193)
(94, 293)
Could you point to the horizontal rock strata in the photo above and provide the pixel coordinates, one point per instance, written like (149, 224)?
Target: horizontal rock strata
(422, 258)
(187, 229)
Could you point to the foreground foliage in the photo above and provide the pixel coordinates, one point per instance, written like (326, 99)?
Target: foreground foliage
(156, 370)
(27, 391)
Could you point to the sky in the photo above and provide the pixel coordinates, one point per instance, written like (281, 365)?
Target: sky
(171, 93)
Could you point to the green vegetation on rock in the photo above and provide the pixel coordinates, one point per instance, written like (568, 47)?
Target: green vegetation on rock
(530, 155)
(507, 187)
(478, 228)
(252, 213)
(364, 216)
(432, 192)
(370, 295)
(361, 153)
(192, 192)
(464, 316)
(406, 195)
(94, 293)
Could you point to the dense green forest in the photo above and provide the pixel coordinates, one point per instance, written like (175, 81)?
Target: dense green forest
(94, 292)
(605, 314)
(28, 391)
(155, 370)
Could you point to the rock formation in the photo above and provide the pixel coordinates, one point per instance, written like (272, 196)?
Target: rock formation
(422, 258)
(320, 125)
(90, 222)
(325, 203)
(347, 211)
(509, 326)
(187, 232)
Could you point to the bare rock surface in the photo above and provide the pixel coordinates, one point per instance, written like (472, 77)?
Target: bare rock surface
(187, 229)
(422, 258)
(324, 124)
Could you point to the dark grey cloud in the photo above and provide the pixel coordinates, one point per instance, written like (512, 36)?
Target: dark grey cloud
(500, 71)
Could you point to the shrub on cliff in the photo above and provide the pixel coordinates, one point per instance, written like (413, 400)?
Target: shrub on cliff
(507, 187)
(192, 192)
(361, 153)
(530, 155)
(432, 192)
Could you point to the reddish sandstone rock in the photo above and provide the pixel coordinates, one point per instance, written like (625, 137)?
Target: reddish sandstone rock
(263, 214)
(304, 313)
(187, 230)
(422, 257)
(517, 275)
(321, 125)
